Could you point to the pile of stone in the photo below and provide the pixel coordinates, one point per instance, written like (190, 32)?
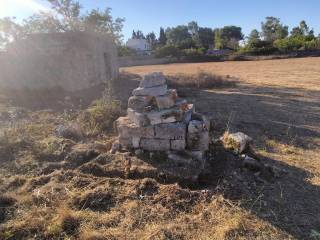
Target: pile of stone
(158, 120)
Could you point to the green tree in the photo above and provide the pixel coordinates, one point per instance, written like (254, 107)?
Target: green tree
(296, 31)
(206, 37)
(302, 30)
(151, 37)
(179, 36)
(65, 15)
(254, 36)
(228, 37)
(272, 29)
(162, 37)
(9, 30)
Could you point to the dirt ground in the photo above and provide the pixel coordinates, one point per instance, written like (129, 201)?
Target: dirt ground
(59, 188)
(277, 102)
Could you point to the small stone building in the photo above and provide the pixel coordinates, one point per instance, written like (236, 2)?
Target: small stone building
(71, 60)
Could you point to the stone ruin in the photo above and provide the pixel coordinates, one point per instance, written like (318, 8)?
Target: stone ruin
(159, 121)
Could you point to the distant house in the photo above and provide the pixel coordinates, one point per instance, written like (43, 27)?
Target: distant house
(140, 45)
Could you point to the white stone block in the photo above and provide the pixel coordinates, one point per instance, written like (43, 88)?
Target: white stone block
(139, 103)
(165, 116)
(127, 128)
(136, 142)
(174, 131)
(139, 119)
(168, 100)
(178, 145)
(152, 80)
(152, 91)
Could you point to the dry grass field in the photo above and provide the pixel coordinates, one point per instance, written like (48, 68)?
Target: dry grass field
(59, 188)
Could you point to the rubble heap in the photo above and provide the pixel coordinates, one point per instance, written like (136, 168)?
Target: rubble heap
(158, 120)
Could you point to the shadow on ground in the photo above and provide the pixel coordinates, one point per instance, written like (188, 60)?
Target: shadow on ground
(285, 197)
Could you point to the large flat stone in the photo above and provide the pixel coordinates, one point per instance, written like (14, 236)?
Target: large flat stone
(139, 103)
(152, 91)
(127, 129)
(155, 144)
(174, 131)
(139, 119)
(168, 100)
(152, 80)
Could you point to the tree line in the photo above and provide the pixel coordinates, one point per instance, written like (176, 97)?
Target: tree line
(183, 40)
(194, 40)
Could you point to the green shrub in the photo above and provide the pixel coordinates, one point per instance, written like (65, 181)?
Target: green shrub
(258, 48)
(193, 52)
(168, 51)
(314, 44)
(101, 114)
(125, 51)
(290, 44)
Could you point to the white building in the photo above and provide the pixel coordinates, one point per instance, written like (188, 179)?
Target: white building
(140, 45)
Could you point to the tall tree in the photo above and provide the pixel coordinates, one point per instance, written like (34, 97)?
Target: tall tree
(228, 37)
(65, 15)
(302, 30)
(206, 37)
(254, 36)
(272, 29)
(134, 35)
(9, 30)
(151, 37)
(194, 31)
(138, 35)
(162, 37)
(179, 36)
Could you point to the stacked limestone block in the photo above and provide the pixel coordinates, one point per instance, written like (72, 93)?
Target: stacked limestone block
(158, 120)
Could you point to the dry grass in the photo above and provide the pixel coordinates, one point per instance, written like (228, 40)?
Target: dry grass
(295, 73)
(55, 188)
(199, 80)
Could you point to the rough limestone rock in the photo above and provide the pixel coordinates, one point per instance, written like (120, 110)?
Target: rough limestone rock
(237, 142)
(165, 116)
(168, 100)
(125, 142)
(139, 103)
(136, 142)
(155, 144)
(198, 136)
(139, 119)
(152, 80)
(152, 91)
(174, 131)
(178, 145)
(201, 117)
(127, 129)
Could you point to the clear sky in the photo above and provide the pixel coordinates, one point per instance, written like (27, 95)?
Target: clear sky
(150, 15)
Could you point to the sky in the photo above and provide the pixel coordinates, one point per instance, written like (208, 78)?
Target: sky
(150, 15)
